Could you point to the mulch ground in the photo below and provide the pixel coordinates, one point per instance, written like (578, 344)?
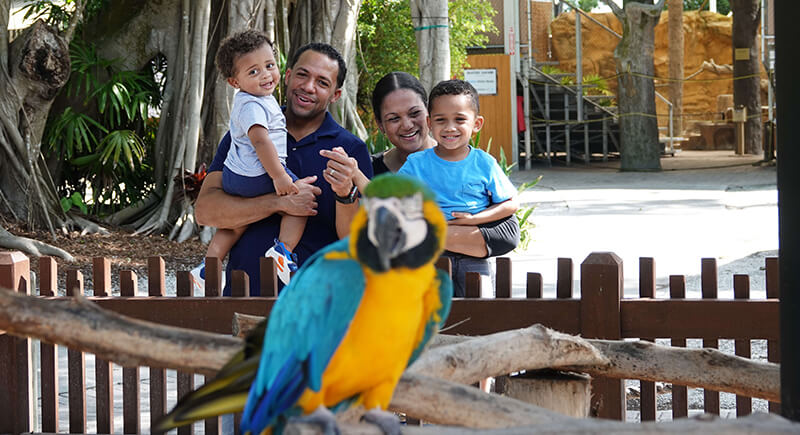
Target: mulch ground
(126, 251)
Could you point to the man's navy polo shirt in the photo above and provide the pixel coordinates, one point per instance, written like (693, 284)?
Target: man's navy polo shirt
(304, 160)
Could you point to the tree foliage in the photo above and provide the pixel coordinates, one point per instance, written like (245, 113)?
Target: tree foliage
(387, 43)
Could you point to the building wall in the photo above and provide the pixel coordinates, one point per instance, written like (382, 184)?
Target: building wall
(496, 109)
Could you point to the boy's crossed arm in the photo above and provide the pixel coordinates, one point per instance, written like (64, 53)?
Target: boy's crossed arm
(492, 213)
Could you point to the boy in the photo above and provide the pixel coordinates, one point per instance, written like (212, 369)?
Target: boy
(255, 164)
(470, 186)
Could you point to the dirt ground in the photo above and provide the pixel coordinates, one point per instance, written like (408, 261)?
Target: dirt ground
(127, 251)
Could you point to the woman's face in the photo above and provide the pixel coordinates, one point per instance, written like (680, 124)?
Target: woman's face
(404, 120)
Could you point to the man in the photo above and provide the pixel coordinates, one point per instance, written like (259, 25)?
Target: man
(313, 81)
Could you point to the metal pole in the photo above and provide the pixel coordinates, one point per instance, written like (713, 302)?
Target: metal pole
(526, 99)
(547, 118)
(787, 15)
(566, 127)
(605, 140)
(579, 81)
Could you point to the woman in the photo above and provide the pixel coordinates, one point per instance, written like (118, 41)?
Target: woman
(399, 103)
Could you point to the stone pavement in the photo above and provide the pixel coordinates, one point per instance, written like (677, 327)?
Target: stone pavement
(703, 204)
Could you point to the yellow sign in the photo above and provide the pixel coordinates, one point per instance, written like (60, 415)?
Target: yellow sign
(741, 54)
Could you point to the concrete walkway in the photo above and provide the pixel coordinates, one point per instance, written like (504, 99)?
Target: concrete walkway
(703, 204)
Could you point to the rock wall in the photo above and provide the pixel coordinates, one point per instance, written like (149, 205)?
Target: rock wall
(707, 37)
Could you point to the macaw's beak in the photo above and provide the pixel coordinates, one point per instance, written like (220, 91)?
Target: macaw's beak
(389, 237)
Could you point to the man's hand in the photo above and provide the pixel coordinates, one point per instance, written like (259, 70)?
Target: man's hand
(341, 171)
(304, 203)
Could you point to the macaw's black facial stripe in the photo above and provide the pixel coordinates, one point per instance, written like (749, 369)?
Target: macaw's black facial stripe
(413, 258)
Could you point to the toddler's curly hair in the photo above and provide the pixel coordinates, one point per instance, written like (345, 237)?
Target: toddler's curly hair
(236, 45)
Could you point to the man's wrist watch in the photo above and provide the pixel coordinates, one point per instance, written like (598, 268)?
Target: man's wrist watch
(349, 198)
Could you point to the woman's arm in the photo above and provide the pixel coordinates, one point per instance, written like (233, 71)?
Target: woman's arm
(216, 208)
(492, 213)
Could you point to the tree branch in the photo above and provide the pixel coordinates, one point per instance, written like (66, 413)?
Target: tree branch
(619, 12)
(76, 19)
(31, 246)
(124, 340)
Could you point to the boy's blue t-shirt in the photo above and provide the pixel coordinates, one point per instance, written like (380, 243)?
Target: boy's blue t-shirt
(470, 185)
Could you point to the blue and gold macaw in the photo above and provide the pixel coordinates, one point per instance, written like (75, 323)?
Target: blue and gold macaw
(349, 323)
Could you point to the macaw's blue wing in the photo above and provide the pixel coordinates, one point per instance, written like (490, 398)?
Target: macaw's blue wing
(436, 320)
(305, 327)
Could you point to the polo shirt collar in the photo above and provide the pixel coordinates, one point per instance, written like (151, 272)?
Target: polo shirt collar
(329, 128)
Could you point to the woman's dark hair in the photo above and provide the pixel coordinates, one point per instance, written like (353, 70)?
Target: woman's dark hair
(392, 82)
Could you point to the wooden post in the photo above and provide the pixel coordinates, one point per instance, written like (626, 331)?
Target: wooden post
(269, 278)
(76, 367)
(533, 286)
(156, 287)
(212, 424)
(601, 290)
(130, 375)
(214, 282)
(647, 289)
(502, 278)
(184, 288)
(564, 278)
(15, 354)
(773, 292)
(741, 290)
(786, 29)
(240, 284)
(472, 285)
(104, 383)
(48, 285)
(680, 395)
(708, 288)
(562, 392)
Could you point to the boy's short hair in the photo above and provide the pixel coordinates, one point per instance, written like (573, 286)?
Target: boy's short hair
(236, 45)
(327, 50)
(454, 87)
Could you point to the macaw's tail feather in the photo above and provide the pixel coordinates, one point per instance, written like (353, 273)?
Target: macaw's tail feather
(225, 394)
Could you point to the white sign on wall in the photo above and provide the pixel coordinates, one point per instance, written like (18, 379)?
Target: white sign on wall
(484, 80)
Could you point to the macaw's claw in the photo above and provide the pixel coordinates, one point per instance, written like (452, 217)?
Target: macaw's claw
(321, 417)
(386, 421)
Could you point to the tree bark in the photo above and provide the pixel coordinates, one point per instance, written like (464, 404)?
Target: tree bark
(431, 28)
(639, 146)
(746, 72)
(675, 32)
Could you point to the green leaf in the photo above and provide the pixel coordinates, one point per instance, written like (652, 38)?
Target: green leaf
(66, 204)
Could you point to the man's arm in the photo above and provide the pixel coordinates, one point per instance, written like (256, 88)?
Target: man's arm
(216, 208)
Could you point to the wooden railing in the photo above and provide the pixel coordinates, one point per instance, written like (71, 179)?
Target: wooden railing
(601, 312)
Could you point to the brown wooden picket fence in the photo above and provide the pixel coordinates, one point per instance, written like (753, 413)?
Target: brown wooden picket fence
(600, 312)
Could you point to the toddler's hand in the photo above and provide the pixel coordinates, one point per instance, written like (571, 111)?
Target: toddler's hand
(285, 186)
(460, 218)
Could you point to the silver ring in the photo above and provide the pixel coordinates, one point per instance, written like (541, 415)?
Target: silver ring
(332, 172)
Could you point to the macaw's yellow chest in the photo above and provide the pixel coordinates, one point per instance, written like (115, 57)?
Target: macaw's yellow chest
(386, 328)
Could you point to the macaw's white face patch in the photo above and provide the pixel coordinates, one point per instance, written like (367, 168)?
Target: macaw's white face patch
(407, 219)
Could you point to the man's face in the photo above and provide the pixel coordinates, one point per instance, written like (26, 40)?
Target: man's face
(311, 85)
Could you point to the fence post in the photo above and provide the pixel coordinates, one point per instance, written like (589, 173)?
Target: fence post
(103, 370)
(48, 286)
(15, 354)
(647, 289)
(156, 287)
(601, 289)
(128, 287)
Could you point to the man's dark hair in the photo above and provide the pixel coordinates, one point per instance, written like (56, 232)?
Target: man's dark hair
(236, 45)
(455, 87)
(392, 82)
(327, 50)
